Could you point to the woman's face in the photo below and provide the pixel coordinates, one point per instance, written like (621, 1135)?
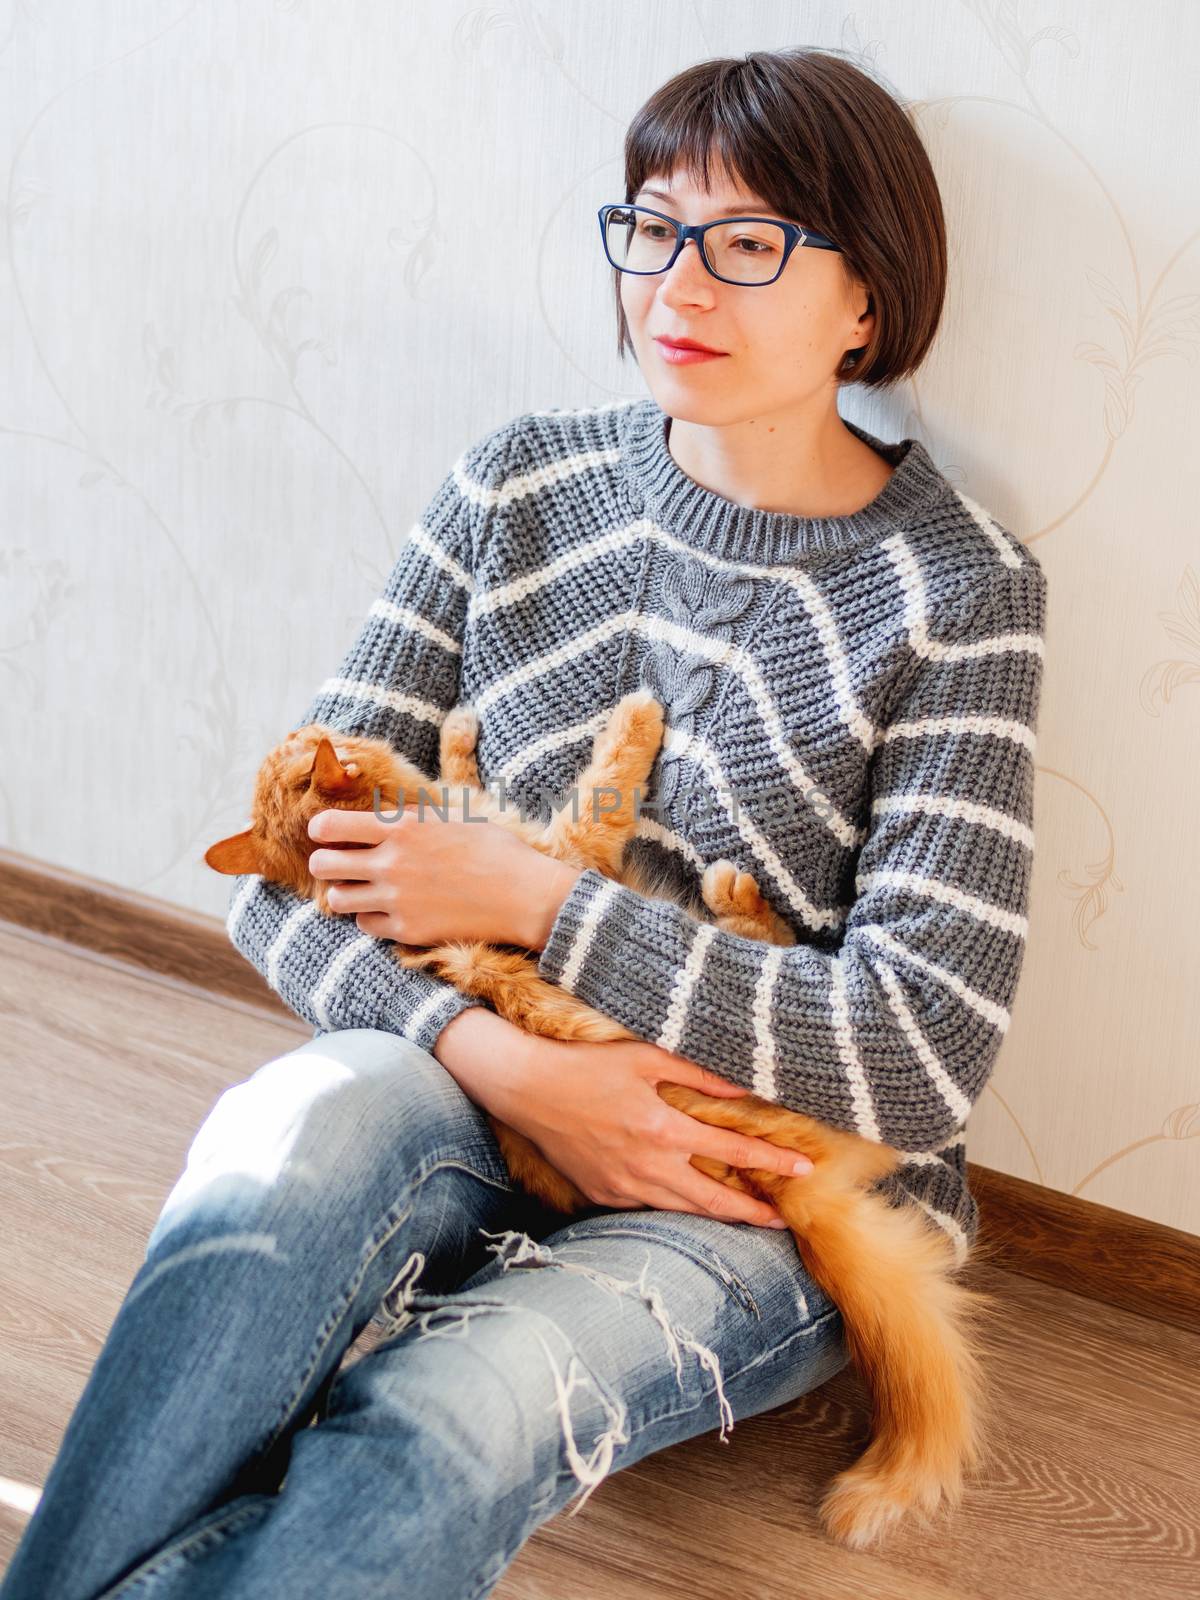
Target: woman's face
(783, 341)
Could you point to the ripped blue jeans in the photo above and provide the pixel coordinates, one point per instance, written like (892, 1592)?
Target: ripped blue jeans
(217, 1451)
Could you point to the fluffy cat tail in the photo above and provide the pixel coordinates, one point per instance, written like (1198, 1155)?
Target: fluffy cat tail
(910, 1330)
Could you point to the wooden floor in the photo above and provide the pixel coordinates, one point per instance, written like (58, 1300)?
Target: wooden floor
(105, 1074)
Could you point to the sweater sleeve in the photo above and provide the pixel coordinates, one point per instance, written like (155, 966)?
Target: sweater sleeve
(397, 681)
(893, 1034)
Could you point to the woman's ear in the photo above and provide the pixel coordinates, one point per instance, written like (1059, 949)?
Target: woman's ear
(861, 333)
(860, 302)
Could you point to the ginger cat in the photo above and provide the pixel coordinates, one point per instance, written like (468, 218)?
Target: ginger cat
(909, 1324)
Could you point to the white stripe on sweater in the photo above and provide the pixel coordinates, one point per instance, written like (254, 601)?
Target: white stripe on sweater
(989, 1010)
(999, 537)
(1000, 727)
(916, 615)
(523, 676)
(954, 1231)
(550, 473)
(678, 740)
(850, 713)
(948, 806)
(331, 978)
(668, 839)
(404, 617)
(865, 1120)
(441, 558)
(296, 919)
(956, 1101)
(427, 1008)
(923, 1158)
(994, 645)
(486, 601)
(523, 484)
(554, 739)
(378, 694)
(253, 882)
(912, 588)
(762, 1059)
(585, 933)
(948, 894)
(685, 981)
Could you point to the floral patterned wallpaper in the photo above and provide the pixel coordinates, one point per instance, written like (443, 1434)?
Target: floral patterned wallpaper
(267, 266)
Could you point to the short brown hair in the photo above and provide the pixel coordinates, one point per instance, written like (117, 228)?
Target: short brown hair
(829, 148)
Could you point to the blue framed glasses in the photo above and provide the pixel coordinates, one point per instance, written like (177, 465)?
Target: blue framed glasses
(741, 250)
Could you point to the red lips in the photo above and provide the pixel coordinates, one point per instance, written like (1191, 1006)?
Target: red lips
(688, 344)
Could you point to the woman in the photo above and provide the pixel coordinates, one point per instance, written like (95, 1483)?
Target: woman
(827, 622)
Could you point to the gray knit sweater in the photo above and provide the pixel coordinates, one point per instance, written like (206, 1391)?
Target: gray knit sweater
(851, 712)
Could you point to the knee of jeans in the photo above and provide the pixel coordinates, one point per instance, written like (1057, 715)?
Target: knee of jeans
(505, 1391)
(513, 1372)
(303, 1119)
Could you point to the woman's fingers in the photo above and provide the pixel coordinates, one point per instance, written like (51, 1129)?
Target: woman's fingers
(354, 897)
(707, 1197)
(718, 1087)
(678, 1069)
(736, 1149)
(342, 865)
(742, 1150)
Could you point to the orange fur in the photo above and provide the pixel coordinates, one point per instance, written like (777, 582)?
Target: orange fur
(910, 1325)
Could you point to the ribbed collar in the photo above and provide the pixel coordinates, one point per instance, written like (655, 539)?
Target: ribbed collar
(744, 533)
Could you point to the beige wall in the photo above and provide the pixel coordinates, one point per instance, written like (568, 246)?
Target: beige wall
(270, 266)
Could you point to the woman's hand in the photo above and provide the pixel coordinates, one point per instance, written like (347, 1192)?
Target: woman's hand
(592, 1110)
(421, 880)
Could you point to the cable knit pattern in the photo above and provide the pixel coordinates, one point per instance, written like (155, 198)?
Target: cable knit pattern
(695, 597)
(851, 715)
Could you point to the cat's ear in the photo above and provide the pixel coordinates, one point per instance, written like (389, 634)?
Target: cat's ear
(328, 773)
(238, 853)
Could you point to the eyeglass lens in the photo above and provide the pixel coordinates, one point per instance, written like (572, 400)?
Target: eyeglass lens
(744, 252)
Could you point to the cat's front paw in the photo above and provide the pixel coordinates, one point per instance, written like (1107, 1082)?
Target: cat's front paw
(736, 903)
(640, 714)
(730, 892)
(460, 727)
(457, 741)
(633, 733)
